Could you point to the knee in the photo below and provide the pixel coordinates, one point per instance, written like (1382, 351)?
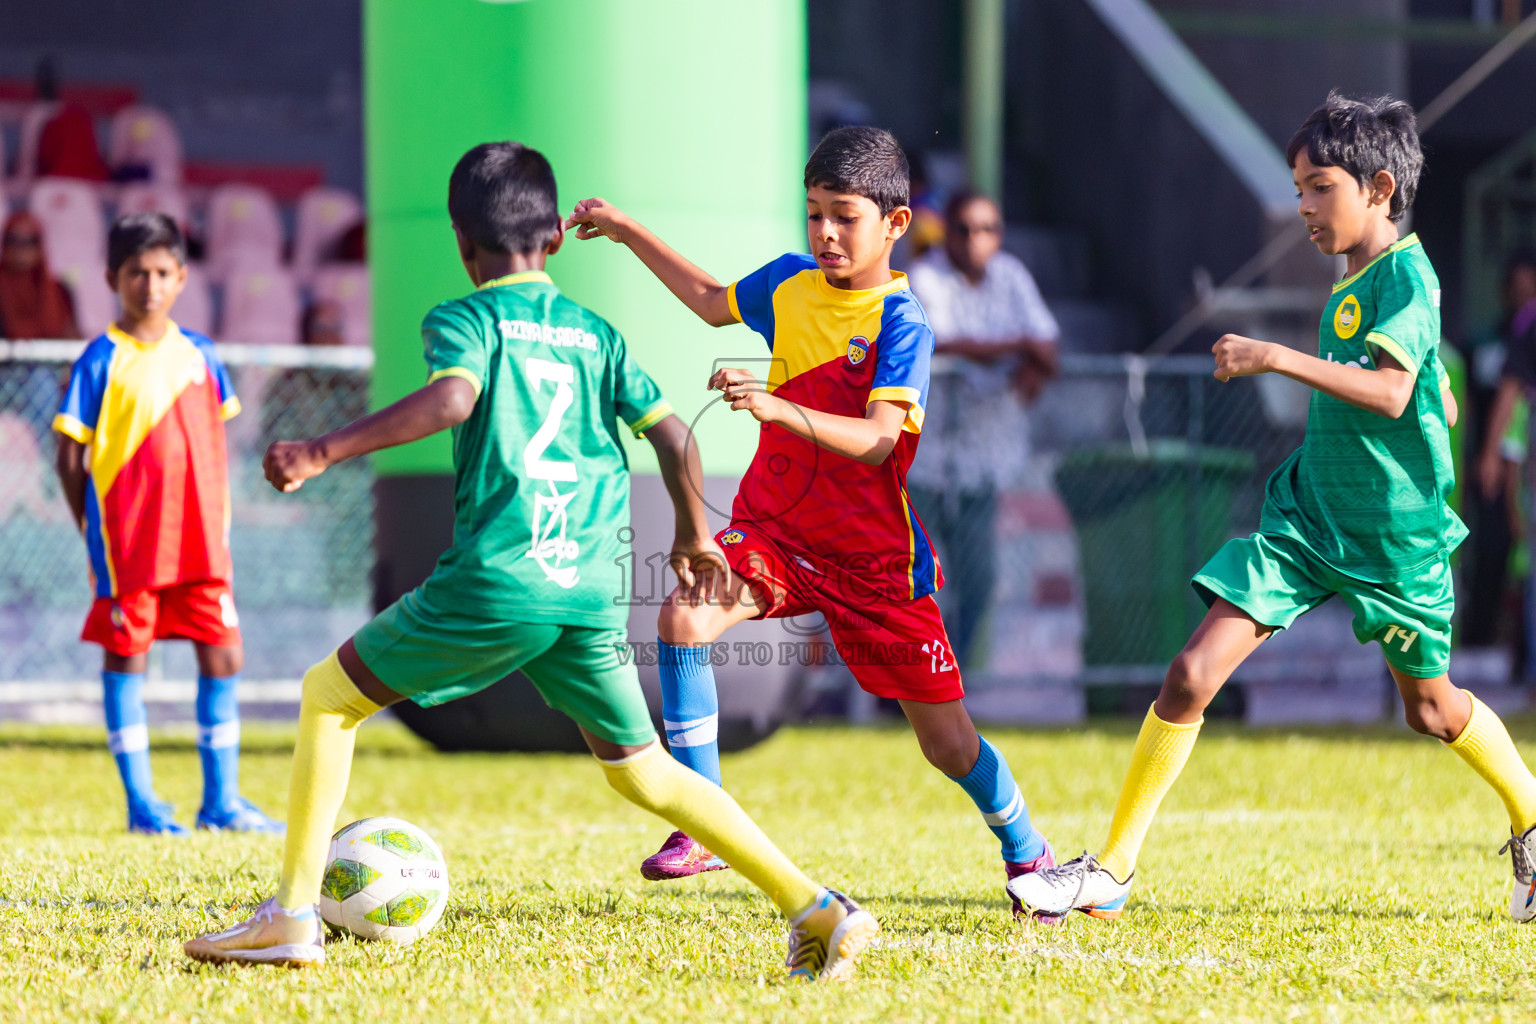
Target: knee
(221, 662)
(1190, 685)
(1426, 717)
(951, 752)
(680, 624)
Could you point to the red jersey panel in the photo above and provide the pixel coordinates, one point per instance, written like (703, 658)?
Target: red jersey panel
(152, 419)
(836, 351)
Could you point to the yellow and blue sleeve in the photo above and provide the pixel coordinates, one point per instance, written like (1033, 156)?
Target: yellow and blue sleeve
(904, 359)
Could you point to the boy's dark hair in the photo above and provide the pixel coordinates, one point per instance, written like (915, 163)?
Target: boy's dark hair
(863, 161)
(136, 233)
(502, 196)
(1363, 137)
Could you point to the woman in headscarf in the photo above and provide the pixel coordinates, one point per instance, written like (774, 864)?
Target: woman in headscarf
(32, 303)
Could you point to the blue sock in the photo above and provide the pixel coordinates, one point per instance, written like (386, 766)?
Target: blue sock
(690, 708)
(122, 701)
(997, 796)
(218, 741)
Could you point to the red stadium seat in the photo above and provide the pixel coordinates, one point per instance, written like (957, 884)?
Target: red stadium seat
(146, 197)
(323, 216)
(243, 228)
(346, 285)
(146, 137)
(261, 306)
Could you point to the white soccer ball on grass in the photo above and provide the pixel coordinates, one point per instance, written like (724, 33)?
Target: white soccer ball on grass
(384, 879)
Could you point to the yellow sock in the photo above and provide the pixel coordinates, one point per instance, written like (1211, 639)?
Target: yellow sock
(653, 780)
(1485, 745)
(1161, 750)
(329, 714)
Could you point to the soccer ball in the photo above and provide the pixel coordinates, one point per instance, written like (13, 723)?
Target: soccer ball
(384, 879)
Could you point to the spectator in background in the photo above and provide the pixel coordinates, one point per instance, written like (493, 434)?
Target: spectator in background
(32, 303)
(1499, 516)
(999, 340)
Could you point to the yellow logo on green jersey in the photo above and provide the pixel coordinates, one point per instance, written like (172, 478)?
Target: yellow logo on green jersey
(1346, 319)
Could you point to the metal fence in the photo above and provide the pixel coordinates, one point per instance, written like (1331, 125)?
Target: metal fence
(1138, 471)
(302, 561)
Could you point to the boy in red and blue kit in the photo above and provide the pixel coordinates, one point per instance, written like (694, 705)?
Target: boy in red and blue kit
(142, 462)
(821, 521)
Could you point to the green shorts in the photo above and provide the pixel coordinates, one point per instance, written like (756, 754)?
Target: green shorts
(433, 656)
(1276, 579)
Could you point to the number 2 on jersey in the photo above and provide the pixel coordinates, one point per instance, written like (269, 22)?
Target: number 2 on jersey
(534, 463)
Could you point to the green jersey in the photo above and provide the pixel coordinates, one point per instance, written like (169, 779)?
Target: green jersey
(1367, 494)
(541, 482)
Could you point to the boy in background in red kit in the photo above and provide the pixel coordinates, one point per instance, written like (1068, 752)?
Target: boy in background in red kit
(142, 462)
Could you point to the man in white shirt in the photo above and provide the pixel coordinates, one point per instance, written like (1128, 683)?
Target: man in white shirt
(998, 343)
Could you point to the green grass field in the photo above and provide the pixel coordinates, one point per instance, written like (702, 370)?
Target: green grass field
(1319, 876)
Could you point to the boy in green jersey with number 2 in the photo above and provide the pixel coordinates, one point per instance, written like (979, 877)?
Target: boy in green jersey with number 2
(1358, 512)
(533, 386)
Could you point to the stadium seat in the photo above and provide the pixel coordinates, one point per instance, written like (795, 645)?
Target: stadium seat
(346, 285)
(243, 228)
(32, 122)
(323, 215)
(261, 306)
(74, 227)
(145, 197)
(145, 137)
(194, 310)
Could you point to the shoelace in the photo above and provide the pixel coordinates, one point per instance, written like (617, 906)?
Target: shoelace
(1520, 854)
(1080, 866)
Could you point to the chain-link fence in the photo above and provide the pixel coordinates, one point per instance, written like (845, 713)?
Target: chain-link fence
(303, 561)
(1137, 471)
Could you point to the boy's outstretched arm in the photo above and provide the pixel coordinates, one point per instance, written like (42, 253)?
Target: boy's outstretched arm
(694, 287)
(442, 404)
(70, 464)
(698, 561)
(1385, 390)
(868, 440)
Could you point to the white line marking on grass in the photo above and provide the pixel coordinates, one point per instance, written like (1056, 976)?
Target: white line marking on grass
(947, 944)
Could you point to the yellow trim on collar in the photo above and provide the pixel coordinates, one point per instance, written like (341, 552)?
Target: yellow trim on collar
(1402, 243)
(523, 277)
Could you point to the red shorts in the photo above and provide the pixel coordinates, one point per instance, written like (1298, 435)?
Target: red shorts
(894, 648)
(126, 625)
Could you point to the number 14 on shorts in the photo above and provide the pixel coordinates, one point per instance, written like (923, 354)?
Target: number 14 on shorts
(1400, 634)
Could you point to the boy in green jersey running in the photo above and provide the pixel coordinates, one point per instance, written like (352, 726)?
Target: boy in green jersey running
(532, 385)
(1358, 512)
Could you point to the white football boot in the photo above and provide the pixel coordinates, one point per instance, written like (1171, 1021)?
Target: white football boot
(283, 938)
(1079, 884)
(1522, 897)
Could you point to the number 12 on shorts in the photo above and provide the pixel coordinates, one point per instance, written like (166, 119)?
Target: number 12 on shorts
(1400, 633)
(938, 660)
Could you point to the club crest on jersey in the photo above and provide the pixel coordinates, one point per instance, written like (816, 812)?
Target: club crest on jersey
(1346, 319)
(858, 349)
(732, 537)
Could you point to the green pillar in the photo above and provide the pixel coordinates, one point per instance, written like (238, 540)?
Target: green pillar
(690, 114)
(983, 60)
